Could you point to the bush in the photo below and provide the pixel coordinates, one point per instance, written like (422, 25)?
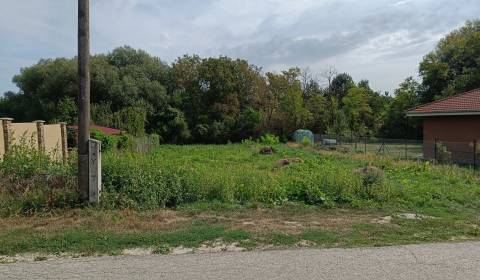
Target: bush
(130, 183)
(30, 182)
(269, 139)
(372, 183)
(443, 155)
(306, 141)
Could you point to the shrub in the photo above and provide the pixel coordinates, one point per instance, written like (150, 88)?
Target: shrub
(372, 183)
(306, 141)
(269, 139)
(130, 182)
(443, 155)
(109, 142)
(30, 181)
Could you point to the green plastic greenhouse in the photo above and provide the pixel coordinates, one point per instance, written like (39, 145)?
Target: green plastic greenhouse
(302, 135)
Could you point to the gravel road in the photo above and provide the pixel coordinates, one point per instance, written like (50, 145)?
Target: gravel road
(430, 261)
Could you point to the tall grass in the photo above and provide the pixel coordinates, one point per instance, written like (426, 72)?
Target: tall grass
(237, 173)
(31, 181)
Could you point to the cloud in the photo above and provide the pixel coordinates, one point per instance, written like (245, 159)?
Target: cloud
(380, 40)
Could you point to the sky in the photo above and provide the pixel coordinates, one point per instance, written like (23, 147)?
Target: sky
(379, 40)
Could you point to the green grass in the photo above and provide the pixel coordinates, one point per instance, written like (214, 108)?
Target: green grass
(87, 239)
(173, 176)
(88, 242)
(217, 187)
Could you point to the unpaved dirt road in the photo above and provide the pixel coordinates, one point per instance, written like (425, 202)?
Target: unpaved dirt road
(431, 261)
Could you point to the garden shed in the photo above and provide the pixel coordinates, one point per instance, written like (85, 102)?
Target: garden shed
(451, 125)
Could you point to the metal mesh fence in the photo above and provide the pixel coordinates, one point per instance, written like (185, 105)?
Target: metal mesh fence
(398, 148)
(446, 152)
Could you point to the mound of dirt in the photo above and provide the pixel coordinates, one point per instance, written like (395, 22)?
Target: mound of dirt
(288, 161)
(266, 151)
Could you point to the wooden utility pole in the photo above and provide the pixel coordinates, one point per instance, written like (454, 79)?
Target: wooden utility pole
(83, 97)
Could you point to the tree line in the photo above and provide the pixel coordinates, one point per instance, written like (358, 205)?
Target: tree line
(216, 100)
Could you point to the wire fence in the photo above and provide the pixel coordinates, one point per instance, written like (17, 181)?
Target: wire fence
(445, 152)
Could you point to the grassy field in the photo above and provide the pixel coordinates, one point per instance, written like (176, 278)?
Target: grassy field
(202, 195)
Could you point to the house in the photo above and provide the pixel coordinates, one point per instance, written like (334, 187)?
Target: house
(451, 125)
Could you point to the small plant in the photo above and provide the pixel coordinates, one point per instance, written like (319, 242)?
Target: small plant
(40, 258)
(162, 249)
(269, 139)
(306, 141)
(372, 182)
(442, 154)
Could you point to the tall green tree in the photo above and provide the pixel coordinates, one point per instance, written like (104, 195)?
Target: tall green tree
(357, 110)
(397, 124)
(454, 65)
(340, 85)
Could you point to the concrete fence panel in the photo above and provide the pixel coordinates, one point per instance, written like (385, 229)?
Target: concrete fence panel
(24, 133)
(53, 140)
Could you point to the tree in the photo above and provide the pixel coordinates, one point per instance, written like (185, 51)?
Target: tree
(121, 80)
(290, 112)
(357, 110)
(454, 65)
(397, 124)
(328, 74)
(171, 126)
(340, 85)
(217, 96)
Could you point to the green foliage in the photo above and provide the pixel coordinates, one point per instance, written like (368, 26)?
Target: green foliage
(340, 85)
(358, 112)
(131, 119)
(442, 154)
(32, 182)
(269, 139)
(109, 142)
(175, 175)
(454, 65)
(373, 185)
(217, 100)
(306, 141)
(397, 124)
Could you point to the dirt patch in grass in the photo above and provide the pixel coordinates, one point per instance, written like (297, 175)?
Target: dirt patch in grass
(284, 220)
(125, 221)
(288, 220)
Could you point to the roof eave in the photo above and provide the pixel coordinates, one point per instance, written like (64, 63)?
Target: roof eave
(435, 114)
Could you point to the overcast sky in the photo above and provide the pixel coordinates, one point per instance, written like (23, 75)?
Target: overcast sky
(379, 40)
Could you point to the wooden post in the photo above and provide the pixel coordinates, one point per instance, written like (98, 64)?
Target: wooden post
(40, 134)
(435, 149)
(7, 133)
(84, 96)
(63, 128)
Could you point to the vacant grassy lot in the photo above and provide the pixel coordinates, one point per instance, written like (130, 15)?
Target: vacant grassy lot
(233, 194)
(175, 175)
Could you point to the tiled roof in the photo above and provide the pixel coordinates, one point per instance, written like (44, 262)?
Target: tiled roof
(463, 103)
(105, 130)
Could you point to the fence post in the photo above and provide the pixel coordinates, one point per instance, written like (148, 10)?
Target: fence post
(474, 155)
(7, 132)
(95, 170)
(435, 149)
(63, 128)
(365, 140)
(40, 134)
